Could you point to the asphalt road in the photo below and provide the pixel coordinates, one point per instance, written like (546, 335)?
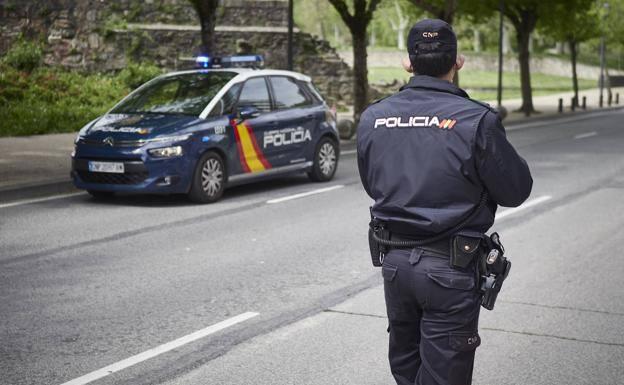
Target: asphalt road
(87, 284)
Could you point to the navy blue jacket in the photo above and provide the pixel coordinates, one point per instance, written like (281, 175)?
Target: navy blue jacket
(426, 153)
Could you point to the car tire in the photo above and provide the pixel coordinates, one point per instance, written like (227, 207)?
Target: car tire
(325, 160)
(209, 179)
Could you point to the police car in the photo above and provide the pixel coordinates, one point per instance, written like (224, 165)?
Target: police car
(199, 131)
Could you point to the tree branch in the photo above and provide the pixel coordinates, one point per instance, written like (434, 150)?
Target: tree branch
(343, 10)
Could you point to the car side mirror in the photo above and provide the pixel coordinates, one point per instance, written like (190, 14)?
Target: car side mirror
(245, 113)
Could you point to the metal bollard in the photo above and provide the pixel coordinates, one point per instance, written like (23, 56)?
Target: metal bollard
(572, 103)
(600, 101)
(560, 105)
(584, 102)
(617, 98)
(609, 99)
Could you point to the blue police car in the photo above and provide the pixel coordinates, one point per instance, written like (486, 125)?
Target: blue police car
(197, 132)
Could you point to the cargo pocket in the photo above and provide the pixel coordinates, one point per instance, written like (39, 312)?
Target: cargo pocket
(463, 345)
(464, 341)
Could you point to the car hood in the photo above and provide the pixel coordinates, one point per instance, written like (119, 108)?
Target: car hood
(140, 126)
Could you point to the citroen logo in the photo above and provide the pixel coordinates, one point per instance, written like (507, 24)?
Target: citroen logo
(109, 140)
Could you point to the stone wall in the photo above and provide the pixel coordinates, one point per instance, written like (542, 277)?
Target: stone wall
(104, 35)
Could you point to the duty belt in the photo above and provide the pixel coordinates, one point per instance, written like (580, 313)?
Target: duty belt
(441, 248)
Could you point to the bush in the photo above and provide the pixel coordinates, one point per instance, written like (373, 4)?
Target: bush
(24, 55)
(50, 100)
(136, 74)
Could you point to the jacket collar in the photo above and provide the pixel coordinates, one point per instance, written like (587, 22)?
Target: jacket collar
(435, 84)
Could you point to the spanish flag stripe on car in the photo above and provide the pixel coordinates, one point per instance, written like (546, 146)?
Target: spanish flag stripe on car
(251, 157)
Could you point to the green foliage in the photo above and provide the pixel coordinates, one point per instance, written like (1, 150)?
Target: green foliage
(51, 100)
(136, 74)
(24, 55)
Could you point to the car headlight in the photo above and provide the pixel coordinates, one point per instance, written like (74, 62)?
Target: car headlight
(166, 152)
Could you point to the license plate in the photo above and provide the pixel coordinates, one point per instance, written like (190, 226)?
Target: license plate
(112, 167)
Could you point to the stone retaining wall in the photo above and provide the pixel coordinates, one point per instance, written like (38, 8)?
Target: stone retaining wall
(96, 35)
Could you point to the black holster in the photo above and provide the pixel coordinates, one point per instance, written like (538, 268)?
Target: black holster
(377, 229)
(494, 269)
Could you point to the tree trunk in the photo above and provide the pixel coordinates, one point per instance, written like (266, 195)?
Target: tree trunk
(573, 55)
(207, 34)
(360, 73)
(401, 39)
(207, 13)
(523, 36)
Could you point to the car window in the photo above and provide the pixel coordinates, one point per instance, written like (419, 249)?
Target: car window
(225, 105)
(255, 94)
(287, 93)
(186, 94)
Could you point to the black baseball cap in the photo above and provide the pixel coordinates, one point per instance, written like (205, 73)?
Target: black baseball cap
(431, 35)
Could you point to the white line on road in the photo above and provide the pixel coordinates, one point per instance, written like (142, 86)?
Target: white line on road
(526, 205)
(37, 200)
(305, 194)
(586, 135)
(110, 369)
(348, 152)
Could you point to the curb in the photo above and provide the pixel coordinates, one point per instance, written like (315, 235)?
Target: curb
(18, 193)
(520, 123)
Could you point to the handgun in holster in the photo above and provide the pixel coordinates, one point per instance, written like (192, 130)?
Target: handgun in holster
(494, 269)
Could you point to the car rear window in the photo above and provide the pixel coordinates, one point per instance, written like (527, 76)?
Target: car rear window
(287, 93)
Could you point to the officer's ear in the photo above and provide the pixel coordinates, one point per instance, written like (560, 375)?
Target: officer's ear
(459, 62)
(407, 64)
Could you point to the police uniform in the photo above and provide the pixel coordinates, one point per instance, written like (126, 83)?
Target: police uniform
(426, 155)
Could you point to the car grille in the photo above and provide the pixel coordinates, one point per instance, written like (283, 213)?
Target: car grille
(116, 143)
(112, 178)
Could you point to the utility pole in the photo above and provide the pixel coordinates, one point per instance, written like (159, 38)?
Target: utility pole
(601, 82)
(291, 23)
(499, 93)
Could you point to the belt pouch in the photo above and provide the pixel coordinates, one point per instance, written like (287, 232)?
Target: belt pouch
(464, 249)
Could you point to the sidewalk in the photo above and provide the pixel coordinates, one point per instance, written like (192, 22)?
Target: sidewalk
(35, 166)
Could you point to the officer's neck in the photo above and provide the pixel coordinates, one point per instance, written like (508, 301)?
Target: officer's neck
(449, 76)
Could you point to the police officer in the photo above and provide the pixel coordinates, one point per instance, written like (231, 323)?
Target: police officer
(427, 155)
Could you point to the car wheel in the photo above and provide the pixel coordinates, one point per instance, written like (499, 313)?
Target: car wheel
(325, 160)
(208, 179)
(101, 195)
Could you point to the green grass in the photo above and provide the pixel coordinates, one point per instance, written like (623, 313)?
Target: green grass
(482, 84)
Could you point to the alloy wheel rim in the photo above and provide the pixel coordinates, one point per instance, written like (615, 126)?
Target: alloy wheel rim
(212, 177)
(327, 158)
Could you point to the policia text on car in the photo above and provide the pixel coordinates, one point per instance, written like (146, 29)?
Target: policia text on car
(437, 165)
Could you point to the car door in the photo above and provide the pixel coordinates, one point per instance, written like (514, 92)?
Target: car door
(297, 119)
(249, 132)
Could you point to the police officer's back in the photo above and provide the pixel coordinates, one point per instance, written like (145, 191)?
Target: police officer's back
(428, 155)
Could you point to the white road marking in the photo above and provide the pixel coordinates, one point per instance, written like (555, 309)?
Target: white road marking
(586, 135)
(37, 200)
(116, 367)
(526, 205)
(305, 194)
(348, 152)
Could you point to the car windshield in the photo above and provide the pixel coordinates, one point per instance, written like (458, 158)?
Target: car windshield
(184, 94)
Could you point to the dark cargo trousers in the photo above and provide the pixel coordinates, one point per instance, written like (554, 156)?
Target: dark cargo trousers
(433, 313)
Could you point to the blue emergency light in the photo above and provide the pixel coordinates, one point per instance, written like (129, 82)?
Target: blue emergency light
(240, 61)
